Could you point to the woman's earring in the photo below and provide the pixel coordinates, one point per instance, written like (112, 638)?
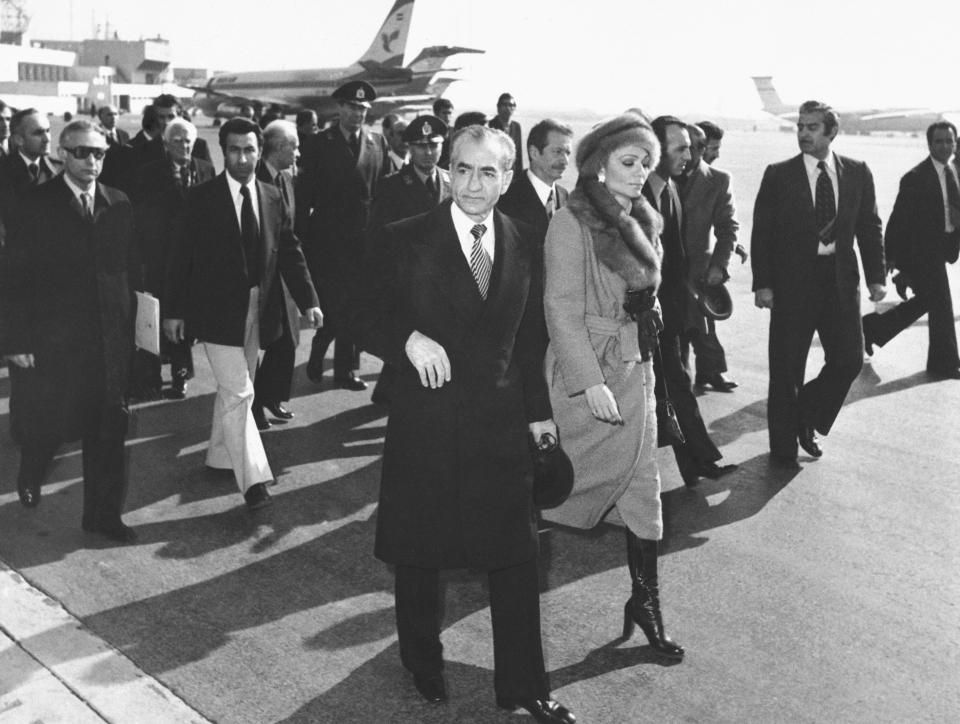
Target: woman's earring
(601, 176)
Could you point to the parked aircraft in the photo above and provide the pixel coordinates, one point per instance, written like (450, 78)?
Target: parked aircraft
(906, 120)
(399, 88)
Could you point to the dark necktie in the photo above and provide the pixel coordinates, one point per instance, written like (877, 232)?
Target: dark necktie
(250, 234)
(826, 206)
(283, 189)
(185, 176)
(85, 202)
(953, 197)
(355, 145)
(480, 263)
(34, 170)
(431, 187)
(551, 204)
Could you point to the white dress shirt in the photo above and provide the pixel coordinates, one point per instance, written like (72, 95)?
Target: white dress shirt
(813, 173)
(941, 170)
(543, 190)
(234, 187)
(463, 223)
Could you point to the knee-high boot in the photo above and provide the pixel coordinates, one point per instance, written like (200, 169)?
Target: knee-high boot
(643, 607)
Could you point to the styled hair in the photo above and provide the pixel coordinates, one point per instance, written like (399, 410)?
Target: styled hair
(181, 124)
(276, 134)
(697, 135)
(150, 121)
(386, 123)
(240, 126)
(469, 118)
(480, 134)
(627, 129)
(442, 104)
(538, 134)
(17, 119)
(80, 125)
(831, 120)
(505, 98)
(713, 131)
(306, 116)
(167, 100)
(940, 126)
(660, 125)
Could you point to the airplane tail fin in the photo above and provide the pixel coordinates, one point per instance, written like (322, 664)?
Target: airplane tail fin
(390, 42)
(769, 96)
(431, 59)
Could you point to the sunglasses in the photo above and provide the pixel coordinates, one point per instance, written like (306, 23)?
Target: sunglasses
(82, 152)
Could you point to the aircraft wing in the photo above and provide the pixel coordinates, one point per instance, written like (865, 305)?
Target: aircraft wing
(898, 113)
(431, 59)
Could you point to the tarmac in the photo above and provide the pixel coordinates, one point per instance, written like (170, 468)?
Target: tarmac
(830, 593)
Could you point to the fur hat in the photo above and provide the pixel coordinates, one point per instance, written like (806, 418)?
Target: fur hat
(627, 129)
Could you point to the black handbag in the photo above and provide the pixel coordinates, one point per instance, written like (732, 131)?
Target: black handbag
(552, 472)
(668, 426)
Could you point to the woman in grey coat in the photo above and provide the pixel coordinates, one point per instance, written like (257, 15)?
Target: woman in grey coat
(602, 261)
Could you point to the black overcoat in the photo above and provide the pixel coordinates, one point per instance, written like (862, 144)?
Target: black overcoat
(70, 304)
(456, 486)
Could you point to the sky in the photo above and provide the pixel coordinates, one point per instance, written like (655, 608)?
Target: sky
(602, 55)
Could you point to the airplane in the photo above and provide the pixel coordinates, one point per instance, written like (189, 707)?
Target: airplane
(880, 120)
(400, 88)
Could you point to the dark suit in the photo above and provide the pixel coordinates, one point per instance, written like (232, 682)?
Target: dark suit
(334, 198)
(232, 303)
(122, 137)
(70, 305)
(707, 205)
(669, 365)
(918, 245)
(401, 196)
(516, 134)
(811, 292)
(522, 202)
(158, 200)
(456, 484)
(15, 185)
(274, 378)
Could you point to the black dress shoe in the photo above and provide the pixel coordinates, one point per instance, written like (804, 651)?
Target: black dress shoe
(257, 497)
(118, 532)
(432, 688)
(713, 471)
(350, 382)
(869, 332)
(785, 462)
(261, 419)
(716, 381)
(947, 374)
(29, 493)
(178, 389)
(543, 710)
(279, 411)
(901, 283)
(807, 437)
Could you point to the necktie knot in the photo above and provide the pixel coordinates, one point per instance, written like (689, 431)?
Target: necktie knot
(550, 206)
(480, 263)
(34, 170)
(85, 202)
(822, 165)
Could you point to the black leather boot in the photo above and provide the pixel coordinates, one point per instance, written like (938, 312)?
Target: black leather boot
(643, 607)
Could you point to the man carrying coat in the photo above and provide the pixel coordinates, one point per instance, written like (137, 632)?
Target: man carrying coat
(455, 305)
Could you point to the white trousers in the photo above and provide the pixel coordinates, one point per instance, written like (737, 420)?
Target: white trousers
(234, 439)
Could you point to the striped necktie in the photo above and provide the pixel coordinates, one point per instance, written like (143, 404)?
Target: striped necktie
(480, 263)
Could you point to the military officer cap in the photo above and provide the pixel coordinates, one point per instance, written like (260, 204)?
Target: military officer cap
(356, 91)
(425, 129)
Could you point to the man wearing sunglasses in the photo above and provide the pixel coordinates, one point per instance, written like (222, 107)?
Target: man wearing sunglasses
(69, 328)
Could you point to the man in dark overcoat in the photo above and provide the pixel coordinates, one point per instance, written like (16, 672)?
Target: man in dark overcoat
(923, 235)
(341, 175)
(455, 305)
(70, 323)
(415, 189)
(808, 211)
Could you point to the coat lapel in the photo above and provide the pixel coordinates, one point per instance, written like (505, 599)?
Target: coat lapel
(509, 267)
(448, 267)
